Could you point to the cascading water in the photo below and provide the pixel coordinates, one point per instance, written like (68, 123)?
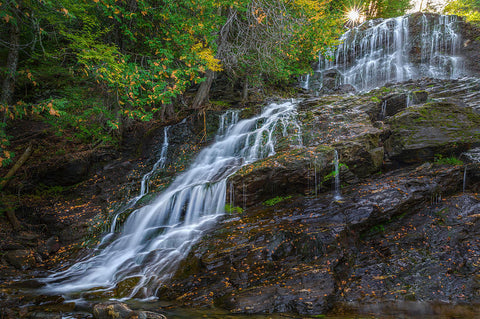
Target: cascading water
(144, 186)
(383, 112)
(394, 50)
(337, 195)
(156, 237)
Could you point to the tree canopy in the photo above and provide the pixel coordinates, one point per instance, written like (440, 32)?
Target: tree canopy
(467, 8)
(93, 66)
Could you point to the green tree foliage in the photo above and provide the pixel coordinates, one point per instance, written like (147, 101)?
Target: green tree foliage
(467, 8)
(91, 67)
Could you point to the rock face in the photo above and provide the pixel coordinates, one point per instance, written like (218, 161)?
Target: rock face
(402, 231)
(307, 255)
(420, 132)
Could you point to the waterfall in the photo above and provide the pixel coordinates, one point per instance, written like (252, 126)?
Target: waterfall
(383, 112)
(337, 195)
(144, 187)
(305, 81)
(381, 51)
(156, 237)
(464, 178)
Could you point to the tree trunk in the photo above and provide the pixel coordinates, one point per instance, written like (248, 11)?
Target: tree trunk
(203, 91)
(8, 86)
(167, 113)
(12, 218)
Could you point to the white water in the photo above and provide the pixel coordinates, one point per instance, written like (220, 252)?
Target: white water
(144, 186)
(156, 237)
(337, 195)
(383, 112)
(380, 51)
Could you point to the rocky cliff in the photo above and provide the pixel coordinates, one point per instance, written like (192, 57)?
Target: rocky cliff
(404, 232)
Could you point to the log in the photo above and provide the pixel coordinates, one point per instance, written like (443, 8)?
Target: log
(15, 167)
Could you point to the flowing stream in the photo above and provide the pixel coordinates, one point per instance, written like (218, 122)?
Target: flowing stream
(156, 237)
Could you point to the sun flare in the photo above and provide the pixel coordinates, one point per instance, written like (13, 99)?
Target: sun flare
(353, 16)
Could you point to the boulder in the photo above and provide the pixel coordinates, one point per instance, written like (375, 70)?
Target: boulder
(69, 172)
(330, 80)
(52, 245)
(419, 97)
(393, 104)
(118, 310)
(420, 132)
(287, 172)
(21, 259)
(112, 310)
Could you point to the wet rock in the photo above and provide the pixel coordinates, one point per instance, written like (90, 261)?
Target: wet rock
(12, 246)
(345, 88)
(44, 315)
(292, 256)
(49, 247)
(112, 310)
(52, 245)
(29, 284)
(472, 155)
(287, 172)
(151, 315)
(420, 132)
(21, 259)
(471, 47)
(377, 155)
(118, 310)
(419, 97)
(330, 80)
(394, 104)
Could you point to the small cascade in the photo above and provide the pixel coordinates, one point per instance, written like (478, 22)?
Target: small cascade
(227, 119)
(409, 99)
(144, 186)
(383, 112)
(464, 178)
(337, 195)
(159, 164)
(305, 82)
(381, 51)
(440, 48)
(156, 237)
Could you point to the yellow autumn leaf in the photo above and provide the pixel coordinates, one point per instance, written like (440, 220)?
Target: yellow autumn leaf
(54, 112)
